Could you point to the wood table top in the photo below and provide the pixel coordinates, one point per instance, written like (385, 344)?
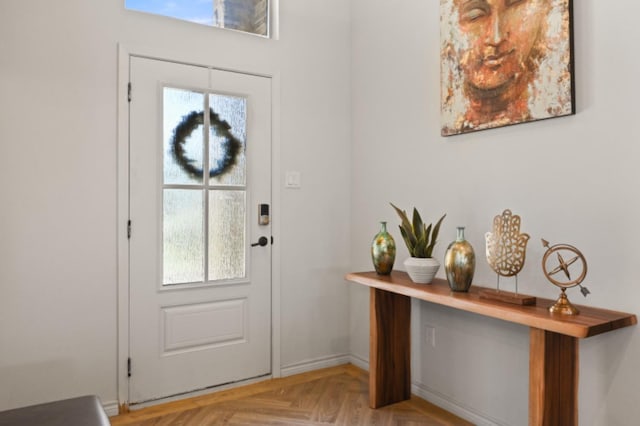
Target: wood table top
(590, 322)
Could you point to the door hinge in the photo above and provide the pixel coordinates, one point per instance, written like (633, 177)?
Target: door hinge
(129, 92)
(129, 367)
(129, 229)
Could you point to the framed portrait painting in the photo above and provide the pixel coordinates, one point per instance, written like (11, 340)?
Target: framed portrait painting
(504, 62)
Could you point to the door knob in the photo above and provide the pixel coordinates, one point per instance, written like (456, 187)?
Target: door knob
(262, 241)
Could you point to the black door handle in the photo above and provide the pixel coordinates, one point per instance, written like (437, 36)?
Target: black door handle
(262, 241)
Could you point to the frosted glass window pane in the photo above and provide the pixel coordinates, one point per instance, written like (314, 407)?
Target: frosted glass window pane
(183, 121)
(183, 236)
(227, 219)
(227, 139)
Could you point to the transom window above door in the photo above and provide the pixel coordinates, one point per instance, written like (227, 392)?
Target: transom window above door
(251, 16)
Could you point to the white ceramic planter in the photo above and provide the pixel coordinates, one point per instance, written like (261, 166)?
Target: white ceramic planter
(421, 270)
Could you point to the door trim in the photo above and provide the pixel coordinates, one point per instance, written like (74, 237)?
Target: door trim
(123, 339)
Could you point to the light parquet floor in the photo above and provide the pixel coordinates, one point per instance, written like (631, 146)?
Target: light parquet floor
(332, 396)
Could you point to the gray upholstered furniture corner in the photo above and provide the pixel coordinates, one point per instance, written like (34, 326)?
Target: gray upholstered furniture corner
(81, 411)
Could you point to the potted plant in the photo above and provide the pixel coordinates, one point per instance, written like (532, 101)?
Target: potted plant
(420, 240)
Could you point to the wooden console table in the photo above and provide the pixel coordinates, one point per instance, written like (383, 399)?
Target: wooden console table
(553, 341)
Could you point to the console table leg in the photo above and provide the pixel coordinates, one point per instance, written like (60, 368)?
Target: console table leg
(389, 348)
(553, 379)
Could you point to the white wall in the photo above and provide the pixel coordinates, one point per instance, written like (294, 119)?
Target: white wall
(58, 168)
(573, 180)
(58, 211)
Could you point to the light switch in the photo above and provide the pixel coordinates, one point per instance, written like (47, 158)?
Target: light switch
(292, 180)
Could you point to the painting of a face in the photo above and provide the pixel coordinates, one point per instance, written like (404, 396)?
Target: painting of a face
(501, 37)
(499, 58)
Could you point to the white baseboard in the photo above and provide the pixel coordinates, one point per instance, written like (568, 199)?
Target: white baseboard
(314, 364)
(438, 399)
(453, 407)
(359, 362)
(111, 408)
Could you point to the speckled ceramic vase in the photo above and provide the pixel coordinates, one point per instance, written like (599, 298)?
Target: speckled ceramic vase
(460, 263)
(383, 251)
(421, 270)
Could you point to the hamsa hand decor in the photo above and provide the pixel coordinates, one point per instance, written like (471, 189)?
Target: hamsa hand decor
(506, 246)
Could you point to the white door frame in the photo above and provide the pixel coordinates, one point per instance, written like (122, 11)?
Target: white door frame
(124, 54)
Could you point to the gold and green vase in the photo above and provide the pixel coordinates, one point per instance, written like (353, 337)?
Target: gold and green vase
(460, 263)
(383, 251)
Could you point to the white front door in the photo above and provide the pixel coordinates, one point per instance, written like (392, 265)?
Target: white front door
(200, 176)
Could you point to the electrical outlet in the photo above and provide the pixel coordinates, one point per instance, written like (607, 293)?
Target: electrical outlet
(430, 335)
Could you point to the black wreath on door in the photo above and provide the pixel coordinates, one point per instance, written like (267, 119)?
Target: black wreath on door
(231, 145)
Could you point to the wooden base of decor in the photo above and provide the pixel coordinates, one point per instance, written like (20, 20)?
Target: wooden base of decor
(507, 297)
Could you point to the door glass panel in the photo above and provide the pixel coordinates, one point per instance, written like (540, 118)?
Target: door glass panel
(227, 220)
(183, 234)
(183, 134)
(227, 139)
(197, 231)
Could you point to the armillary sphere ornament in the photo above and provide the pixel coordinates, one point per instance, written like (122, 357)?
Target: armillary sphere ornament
(564, 266)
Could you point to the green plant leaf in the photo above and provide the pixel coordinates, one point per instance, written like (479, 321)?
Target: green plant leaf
(434, 237)
(403, 217)
(436, 229)
(410, 234)
(407, 240)
(421, 244)
(419, 238)
(401, 213)
(418, 226)
(406, 229)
